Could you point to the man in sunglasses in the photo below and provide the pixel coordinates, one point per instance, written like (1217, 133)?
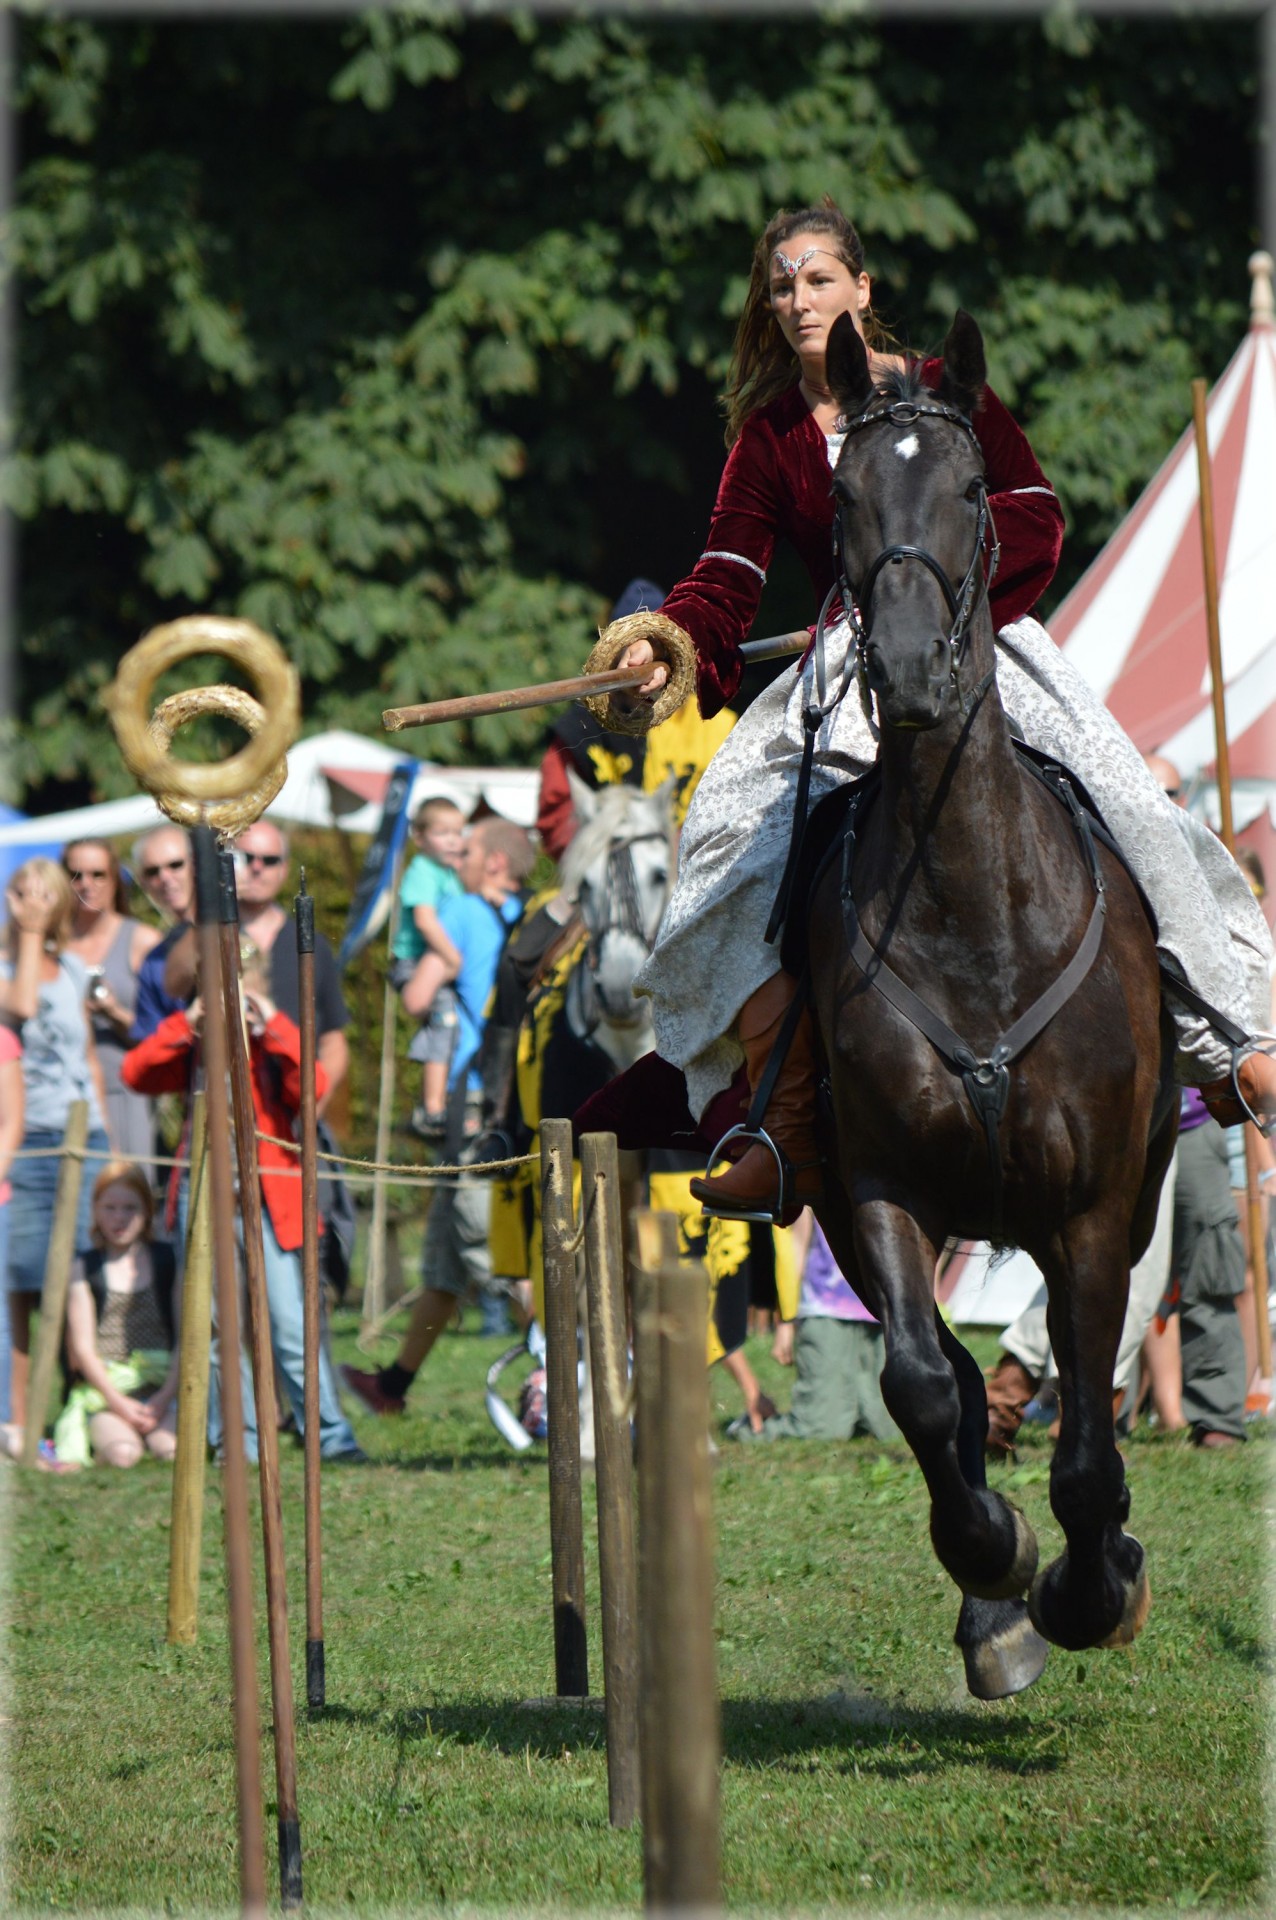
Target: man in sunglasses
(261, 868)
(162, 862)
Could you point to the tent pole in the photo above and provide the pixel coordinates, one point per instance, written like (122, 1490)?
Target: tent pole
(1254, 1209)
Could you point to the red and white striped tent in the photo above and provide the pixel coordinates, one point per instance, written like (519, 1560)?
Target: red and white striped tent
(1134, 624)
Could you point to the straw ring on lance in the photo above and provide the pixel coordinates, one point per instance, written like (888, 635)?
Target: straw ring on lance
(670, 644)
(232, 703)
(228, 794)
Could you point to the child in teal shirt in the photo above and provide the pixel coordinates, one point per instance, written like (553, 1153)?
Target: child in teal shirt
(437, 831)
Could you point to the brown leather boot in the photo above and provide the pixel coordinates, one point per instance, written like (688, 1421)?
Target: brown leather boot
(751, 1185)
(1257, 1077)
(1009, 1387)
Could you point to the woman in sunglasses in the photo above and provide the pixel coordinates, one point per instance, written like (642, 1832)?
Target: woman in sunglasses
(112, 945)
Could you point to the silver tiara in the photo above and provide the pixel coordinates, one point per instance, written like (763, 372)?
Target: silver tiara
(791, 267)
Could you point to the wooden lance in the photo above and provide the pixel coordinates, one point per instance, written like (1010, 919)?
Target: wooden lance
(304, 908)
(472, 706)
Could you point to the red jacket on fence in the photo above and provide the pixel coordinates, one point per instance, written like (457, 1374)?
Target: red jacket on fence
(162, 1062)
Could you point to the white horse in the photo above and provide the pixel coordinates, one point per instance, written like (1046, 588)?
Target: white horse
(618, 873)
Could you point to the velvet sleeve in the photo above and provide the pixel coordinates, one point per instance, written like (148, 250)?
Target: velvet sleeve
(717, 601)
(1025, 510)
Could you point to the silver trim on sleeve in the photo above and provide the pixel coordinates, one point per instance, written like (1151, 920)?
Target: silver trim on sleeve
(718, 553)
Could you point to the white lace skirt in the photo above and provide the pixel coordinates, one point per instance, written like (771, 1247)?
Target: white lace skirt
(711, 953)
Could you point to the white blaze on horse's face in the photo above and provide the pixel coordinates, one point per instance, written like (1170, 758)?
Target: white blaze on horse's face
(909, 446)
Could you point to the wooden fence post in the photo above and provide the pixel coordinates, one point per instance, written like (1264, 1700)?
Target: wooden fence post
(566, 1528)
(187, 1511)
(600, 1197)
(57, 1278)
(682, 1740)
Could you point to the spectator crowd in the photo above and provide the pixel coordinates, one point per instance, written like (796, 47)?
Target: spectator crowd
(103, 1006)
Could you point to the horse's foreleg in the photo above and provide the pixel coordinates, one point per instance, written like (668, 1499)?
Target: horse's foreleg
(1096, 1592)
(1002, 1651)
(982, 1541)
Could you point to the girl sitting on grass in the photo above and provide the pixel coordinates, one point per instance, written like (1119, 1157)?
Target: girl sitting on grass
(121, 1346)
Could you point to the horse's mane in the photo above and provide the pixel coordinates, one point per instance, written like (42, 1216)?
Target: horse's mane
(901, 383)
(622, 812)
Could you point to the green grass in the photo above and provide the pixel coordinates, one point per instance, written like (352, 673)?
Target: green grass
(857, 1772)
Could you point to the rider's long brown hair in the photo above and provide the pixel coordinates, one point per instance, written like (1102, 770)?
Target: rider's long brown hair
(763, 365)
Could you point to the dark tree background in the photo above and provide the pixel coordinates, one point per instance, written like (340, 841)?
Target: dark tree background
(400, 333)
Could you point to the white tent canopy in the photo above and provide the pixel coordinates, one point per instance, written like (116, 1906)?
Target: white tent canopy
(334, 779)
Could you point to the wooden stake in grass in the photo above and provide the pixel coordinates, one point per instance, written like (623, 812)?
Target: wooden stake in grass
(608, 1346)
(263, 1359)
(654, 1244)
(316, 1685)
(681, 1867)
(187, 1515)
(566, 1528)
(57, 1279)
(243, 1655)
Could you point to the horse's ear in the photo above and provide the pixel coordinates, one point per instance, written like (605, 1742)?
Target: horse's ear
(965, 368)
(846, 366)
(584, 799)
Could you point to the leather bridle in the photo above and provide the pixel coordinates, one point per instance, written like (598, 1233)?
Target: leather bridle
(857, 596)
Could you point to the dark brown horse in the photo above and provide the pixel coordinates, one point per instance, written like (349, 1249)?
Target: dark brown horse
(971, 886)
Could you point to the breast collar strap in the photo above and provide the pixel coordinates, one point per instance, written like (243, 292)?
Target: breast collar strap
(986, 1078)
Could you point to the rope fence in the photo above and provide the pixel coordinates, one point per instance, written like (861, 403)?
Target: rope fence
(367, 1173)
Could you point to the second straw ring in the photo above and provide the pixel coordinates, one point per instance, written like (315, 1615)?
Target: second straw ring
(226, 794)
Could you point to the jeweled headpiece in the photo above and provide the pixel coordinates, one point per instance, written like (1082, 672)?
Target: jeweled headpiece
(792, 267)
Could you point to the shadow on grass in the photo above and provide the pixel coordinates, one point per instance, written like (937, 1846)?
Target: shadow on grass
(844, 1733)
(474, 1459)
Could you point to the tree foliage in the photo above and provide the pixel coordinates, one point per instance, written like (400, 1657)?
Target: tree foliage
(399, 333)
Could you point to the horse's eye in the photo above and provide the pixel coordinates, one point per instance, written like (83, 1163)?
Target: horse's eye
(975, 488)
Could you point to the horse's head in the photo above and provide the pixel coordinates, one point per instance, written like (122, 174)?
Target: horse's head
(911, 517)
(618, 872)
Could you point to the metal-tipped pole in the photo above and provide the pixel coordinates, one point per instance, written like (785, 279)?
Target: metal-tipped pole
(243, 1656)
(272, 1530)
(304, 908)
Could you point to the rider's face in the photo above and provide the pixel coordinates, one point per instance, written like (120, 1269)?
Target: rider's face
(808, 301)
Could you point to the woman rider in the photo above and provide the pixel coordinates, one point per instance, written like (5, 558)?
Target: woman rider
(714, 982)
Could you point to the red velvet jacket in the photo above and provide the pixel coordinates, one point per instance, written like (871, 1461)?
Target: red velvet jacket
(162, 1063)
(777, 481)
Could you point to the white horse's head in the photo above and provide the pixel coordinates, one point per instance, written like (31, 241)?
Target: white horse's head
(617, 872)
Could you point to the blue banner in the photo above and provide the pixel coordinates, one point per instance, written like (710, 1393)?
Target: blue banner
(370, 907)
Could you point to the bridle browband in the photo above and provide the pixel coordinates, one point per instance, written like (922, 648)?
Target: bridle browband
(857, 597)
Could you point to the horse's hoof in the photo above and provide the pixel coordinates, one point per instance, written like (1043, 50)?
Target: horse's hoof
(1138, 1604)
(1019, 1575)
(1075, 1626)
(1007, 1657)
